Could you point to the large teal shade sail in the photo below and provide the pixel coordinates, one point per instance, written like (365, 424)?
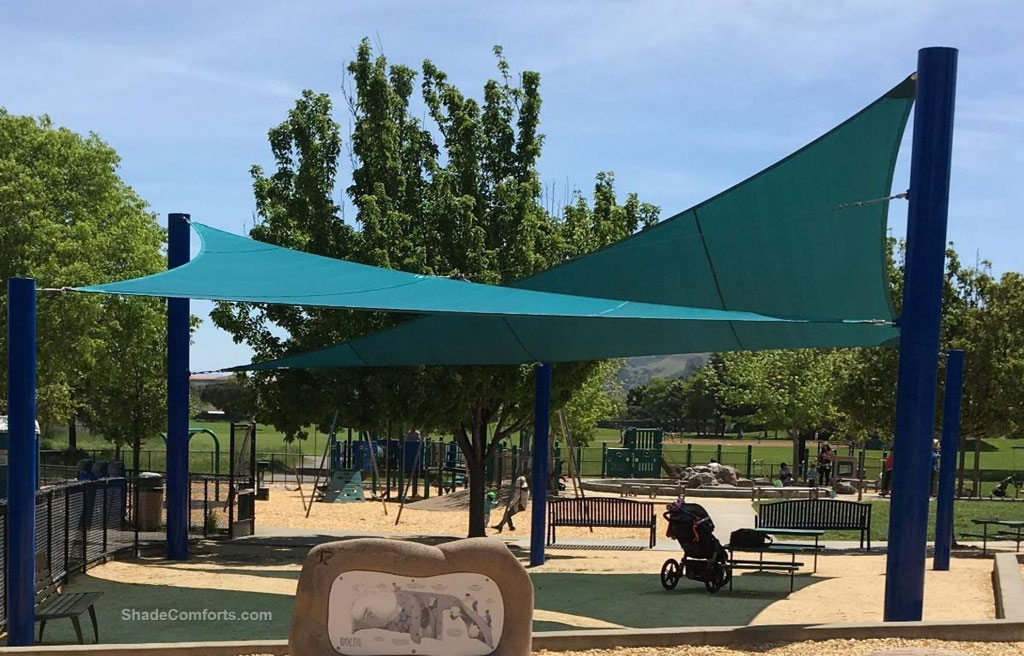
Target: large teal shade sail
(234, 268)
(805, 238)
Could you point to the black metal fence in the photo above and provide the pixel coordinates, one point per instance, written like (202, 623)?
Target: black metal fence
(78, 524)
(83, 523)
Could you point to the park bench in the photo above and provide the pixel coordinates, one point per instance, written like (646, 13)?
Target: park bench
(818, 514)
(604, 512)
(51, 604)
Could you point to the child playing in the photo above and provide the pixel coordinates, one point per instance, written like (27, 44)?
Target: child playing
(489, 500)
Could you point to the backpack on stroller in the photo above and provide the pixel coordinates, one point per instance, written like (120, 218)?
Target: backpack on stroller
(704, 558)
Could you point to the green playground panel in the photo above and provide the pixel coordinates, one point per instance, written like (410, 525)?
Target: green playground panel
(345, 486)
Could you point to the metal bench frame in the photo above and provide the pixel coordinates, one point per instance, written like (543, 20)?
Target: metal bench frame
(604, 512)
(51, 604)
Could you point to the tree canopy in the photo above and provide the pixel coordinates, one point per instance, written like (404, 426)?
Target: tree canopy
(458, 195)
(67, 219)
(852, 392)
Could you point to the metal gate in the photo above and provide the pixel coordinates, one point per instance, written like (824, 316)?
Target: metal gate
(242, 483)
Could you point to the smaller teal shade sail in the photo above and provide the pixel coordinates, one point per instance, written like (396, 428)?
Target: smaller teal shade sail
(234, 268)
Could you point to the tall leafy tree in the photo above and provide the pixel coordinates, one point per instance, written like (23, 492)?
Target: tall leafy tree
(67, 219)
(460, 197)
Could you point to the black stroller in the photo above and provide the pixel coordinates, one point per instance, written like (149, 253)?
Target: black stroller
(704, 558)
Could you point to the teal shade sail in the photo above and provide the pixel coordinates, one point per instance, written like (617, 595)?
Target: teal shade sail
(805, 238)
(233, 268)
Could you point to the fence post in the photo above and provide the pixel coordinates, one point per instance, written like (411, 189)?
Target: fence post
(85, 529)
(106, 486)
(49, 530)
(689, 454)
(67, 533)
(604, 459)
(750, 460)
(206, 505)
(718, 454)
(428, 454)
(919, 332)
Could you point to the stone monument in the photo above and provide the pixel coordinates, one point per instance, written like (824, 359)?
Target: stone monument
(374, 597)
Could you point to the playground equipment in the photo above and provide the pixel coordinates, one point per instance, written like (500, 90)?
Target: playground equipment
(639, 457)
(720, 240)
(192, 432)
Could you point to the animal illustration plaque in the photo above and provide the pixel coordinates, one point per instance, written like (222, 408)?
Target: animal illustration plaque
(371, 596)
(457, 614)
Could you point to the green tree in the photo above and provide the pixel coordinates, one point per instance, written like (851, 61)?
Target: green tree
(67, 219)
(233, 397)
(982, 316)
(664, 401)
(125, 391)
(795, 390)
(467, 204)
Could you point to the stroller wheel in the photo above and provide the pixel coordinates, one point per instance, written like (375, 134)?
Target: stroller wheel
(720, 574)
(670, 574)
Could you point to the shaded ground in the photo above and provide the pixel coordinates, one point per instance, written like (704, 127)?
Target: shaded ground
(575, 589)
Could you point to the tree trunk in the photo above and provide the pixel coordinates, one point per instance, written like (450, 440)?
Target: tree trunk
(72, 435)
(474, 448)
(475, 469)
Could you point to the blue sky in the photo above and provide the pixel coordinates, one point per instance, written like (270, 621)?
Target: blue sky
(680, 99)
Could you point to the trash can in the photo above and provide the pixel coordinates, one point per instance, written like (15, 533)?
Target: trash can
(151, 501)
(84, 472)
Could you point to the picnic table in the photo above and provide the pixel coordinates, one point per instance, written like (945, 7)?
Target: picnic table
(790, 549)
(1016, 534)
(798, 532)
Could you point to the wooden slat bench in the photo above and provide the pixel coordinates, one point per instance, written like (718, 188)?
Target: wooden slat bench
(605, 512)
(52, 604)
(819, 514)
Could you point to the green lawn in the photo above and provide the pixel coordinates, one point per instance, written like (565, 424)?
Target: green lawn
(766, 456)
(963, 513)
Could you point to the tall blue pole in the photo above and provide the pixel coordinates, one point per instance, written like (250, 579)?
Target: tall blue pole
(541, 421)
(919, 332)
(22, 454)
(947, 464)
(177, 396)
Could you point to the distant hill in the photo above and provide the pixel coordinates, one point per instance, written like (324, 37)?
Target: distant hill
(640, 371)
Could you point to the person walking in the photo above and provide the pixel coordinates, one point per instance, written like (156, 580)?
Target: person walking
(825, 459)
(886, 475)
(517, 504)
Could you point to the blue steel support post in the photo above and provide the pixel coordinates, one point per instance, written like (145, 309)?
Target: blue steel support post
(947, 464)
(177, 396)
(22, 456)
(541, 420)
(919, 332)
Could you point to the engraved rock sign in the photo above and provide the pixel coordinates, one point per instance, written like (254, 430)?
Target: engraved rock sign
(375, 597)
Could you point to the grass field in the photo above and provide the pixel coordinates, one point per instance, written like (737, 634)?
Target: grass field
(765, 454)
